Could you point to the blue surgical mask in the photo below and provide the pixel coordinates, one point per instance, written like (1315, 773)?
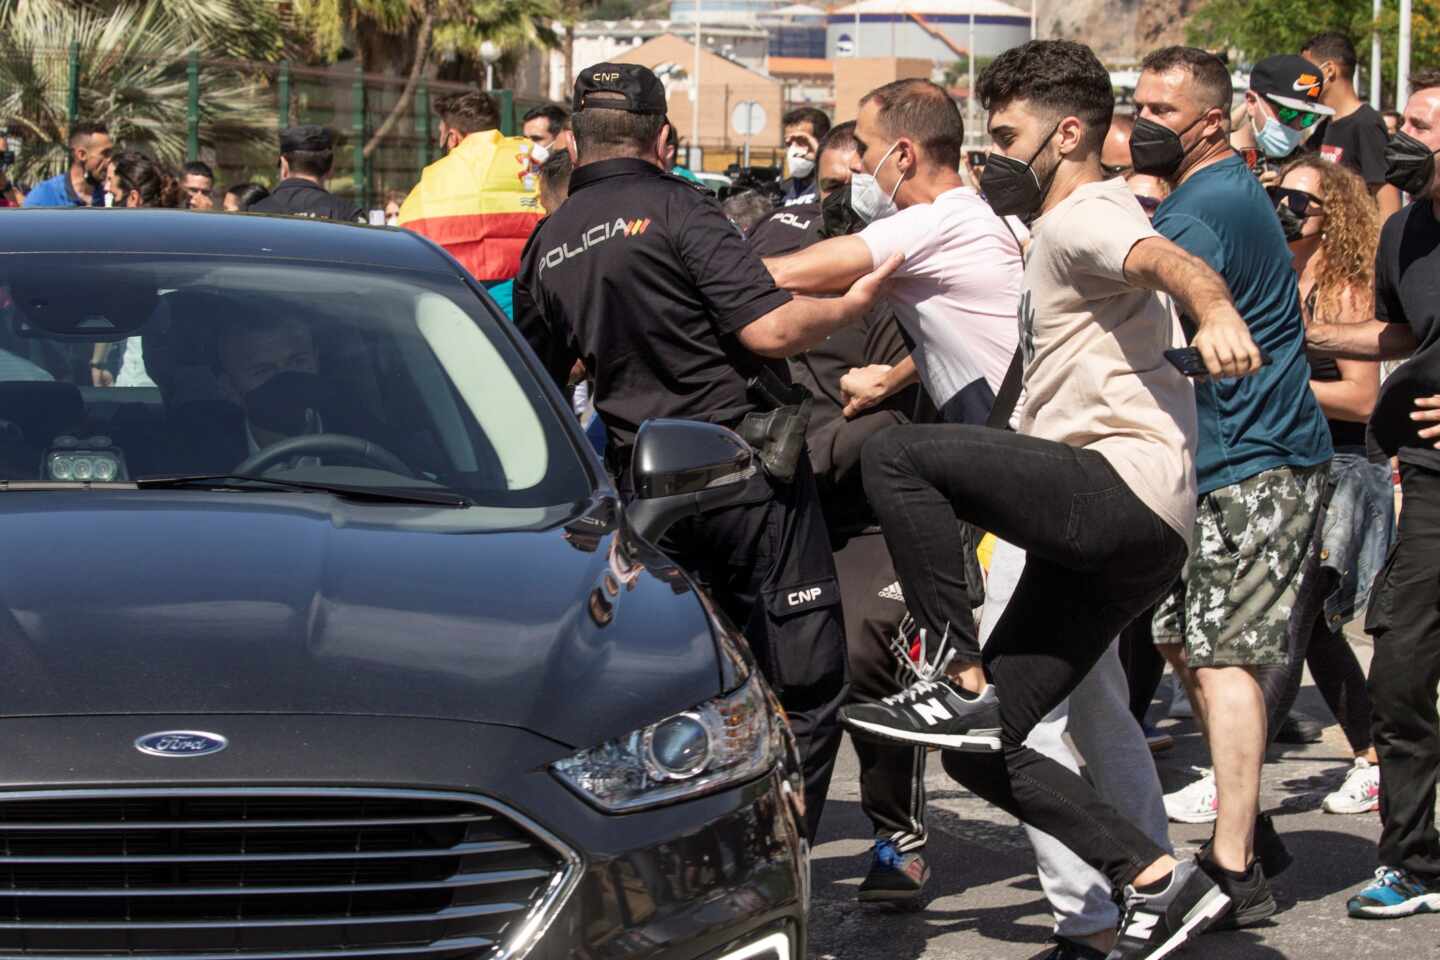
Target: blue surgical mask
(1277, 140)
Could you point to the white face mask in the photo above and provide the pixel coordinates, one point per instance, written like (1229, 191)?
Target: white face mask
(801, 166)
(1276, 139)
(867, 199)
(539, 153)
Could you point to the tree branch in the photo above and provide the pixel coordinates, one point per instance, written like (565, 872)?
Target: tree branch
(422, 53)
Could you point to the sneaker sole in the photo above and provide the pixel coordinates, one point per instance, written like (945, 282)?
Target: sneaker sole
(1251, 916)
(1192, 817)
(890, 896)
(1197, 921)
(1430, 904)
(1345, 808)
(1160, 744)
(972, 743)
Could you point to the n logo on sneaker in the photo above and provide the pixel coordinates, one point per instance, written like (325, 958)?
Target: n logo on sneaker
(1142, 925)
(932, 711)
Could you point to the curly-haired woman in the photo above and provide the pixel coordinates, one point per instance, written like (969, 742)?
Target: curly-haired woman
(1331, 224)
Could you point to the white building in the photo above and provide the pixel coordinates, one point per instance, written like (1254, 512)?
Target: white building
(597, 41)
(937, 30)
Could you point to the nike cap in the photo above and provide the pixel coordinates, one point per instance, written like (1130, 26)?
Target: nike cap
(1290, 81)
(624, 86)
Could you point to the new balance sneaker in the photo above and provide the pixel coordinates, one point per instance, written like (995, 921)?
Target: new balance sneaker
(1197, 803)
(894, 877)
(1070, 950)
(1395, 893)
(1360, 793)
(935, 713)
(1251, 900)
(1158, 924)
(1270, 851)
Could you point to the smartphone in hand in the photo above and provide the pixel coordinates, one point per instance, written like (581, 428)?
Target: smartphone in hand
(1189, 362)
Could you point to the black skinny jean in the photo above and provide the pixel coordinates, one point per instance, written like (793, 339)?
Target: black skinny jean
(1096, 557)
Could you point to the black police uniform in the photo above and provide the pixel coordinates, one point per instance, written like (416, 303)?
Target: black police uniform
(299, 197)
(892, 775)
(642, 277)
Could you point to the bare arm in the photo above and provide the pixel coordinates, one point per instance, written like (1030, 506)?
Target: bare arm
(1387, 198)
(1353, 396)
(864, 387)
(1371, 340)
(1222, 337)
(806, 321)
(829, 266)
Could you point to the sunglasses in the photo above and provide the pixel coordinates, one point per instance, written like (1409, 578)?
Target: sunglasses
(1291, 116)
(1301, 203)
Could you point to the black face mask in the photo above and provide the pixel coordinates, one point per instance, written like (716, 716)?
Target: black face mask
(1011, 187)
(1156, 149)
(1290, 222)
(1409, 164)
(838, 218)
(282, 403)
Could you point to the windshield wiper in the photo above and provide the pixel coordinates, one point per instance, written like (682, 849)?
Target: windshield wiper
(442, 498)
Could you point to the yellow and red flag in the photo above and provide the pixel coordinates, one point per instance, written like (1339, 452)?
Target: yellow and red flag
(479, 202)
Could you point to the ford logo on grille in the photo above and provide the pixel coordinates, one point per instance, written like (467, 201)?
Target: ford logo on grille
(181, 743)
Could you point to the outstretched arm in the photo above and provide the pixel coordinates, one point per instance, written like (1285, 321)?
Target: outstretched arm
(1222, 337)
(806, 321)
(830, 266)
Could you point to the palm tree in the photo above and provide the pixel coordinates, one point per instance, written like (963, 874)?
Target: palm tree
(132, 77)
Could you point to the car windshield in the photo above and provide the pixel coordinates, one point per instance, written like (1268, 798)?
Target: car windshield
(122, 368)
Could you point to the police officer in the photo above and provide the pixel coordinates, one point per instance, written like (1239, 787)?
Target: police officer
(892, 775)
(640, 276)
(306, 155)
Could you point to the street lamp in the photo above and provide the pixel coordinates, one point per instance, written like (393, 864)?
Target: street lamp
(489, 52)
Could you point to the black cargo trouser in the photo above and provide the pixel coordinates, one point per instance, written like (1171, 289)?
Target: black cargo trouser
(892, 775)
(768, 566)
(1404, 618)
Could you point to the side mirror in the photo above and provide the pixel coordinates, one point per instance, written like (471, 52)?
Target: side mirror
(682, 468)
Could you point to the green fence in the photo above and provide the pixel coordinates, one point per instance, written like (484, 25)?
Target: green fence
(349, 101)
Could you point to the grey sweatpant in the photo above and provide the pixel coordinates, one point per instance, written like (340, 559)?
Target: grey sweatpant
(1118, 761)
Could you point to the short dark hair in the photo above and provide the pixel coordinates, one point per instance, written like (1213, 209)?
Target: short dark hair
(247, 193)
(555, 117)
(470, 111)
(84, 129)
(817, 119)
(602, 132)
(311, 163)
(1332, 45)
(1207, 71)
(156, 185)
(1425, 80)
(555, 173)
(198, 168)
(840, 137)
(1061, 77)
(747, 208)
(924, 112)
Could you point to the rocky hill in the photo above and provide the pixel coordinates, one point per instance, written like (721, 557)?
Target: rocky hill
(1119, 30)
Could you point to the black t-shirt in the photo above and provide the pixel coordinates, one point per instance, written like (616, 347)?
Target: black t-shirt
(787, 229)
(1407, 290)
(306, 198)
(642, 277)
(1357, 141)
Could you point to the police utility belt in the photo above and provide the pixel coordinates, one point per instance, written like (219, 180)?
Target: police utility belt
(777, 429)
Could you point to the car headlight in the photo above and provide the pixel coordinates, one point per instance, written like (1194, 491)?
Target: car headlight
(725, 741)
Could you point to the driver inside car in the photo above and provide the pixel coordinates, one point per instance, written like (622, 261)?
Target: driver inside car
(270, 369)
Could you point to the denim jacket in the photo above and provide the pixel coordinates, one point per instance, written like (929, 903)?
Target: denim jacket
(1357, 532)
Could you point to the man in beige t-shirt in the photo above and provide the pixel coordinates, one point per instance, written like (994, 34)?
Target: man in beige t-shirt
(1097, 488)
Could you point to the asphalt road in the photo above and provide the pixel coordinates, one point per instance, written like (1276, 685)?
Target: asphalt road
(986, 902)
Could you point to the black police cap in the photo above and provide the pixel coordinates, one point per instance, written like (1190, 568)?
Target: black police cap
(1290, 81)
(310, 138)
(640, 91)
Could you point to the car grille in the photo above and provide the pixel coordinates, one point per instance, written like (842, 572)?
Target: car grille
(280, 874)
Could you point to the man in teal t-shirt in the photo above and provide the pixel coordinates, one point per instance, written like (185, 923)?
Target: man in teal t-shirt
(1261, 459)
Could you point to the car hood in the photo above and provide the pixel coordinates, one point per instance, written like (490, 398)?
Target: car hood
(119, 602)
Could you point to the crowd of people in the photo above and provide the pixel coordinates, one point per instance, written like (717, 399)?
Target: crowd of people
(1109, 397)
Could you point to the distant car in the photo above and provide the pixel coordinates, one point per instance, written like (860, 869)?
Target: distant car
(324, 633)
(716, 183)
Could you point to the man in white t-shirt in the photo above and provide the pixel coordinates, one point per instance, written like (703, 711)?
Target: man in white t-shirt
(957, 289)
(1098, 487)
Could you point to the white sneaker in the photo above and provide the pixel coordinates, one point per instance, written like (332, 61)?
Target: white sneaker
(1197, 803)
(1360, 793)
(1180, 708)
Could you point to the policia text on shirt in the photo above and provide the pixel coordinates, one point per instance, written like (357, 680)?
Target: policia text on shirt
(674, 316)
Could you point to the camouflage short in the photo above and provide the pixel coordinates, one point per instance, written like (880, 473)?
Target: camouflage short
(1231, 606)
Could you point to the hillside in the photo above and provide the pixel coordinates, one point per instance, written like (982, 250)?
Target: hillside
(1119, 30)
